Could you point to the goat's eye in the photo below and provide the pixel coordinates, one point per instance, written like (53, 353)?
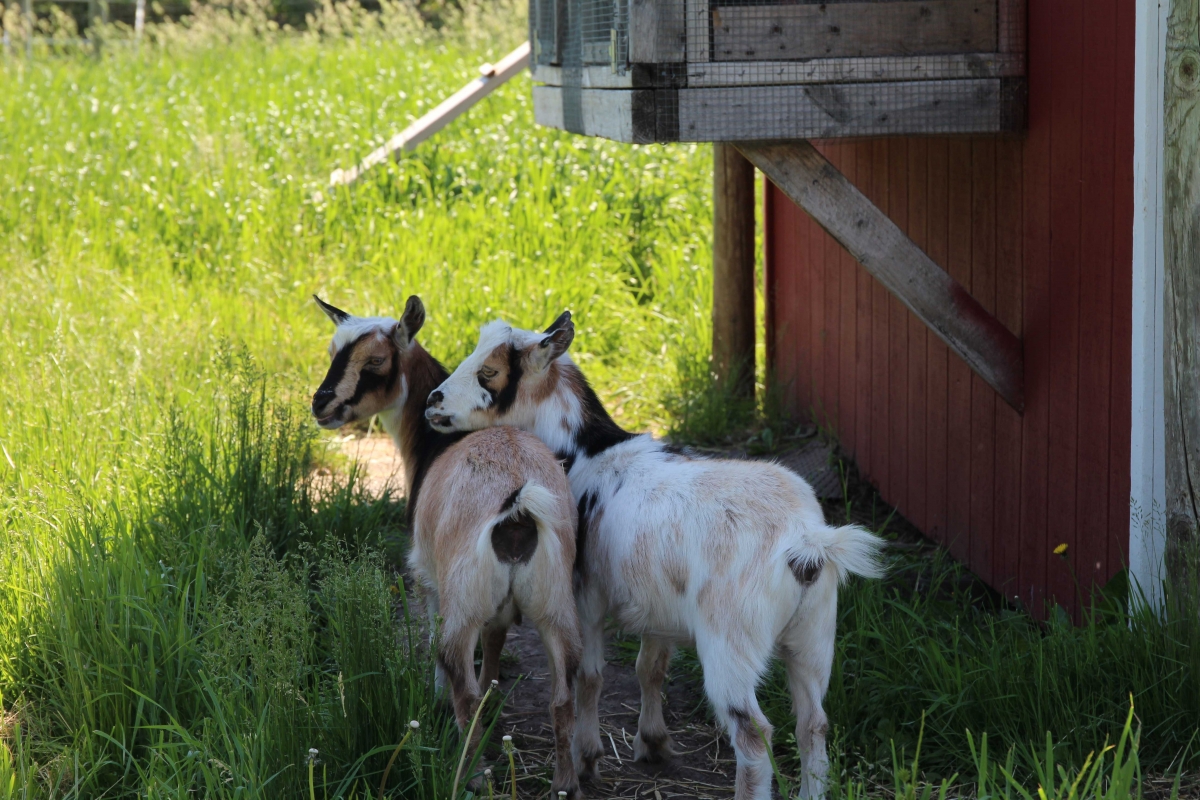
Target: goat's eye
(374, 362)
(487, 373)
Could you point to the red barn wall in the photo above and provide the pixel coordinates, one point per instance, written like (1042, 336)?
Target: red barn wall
(1039, 230)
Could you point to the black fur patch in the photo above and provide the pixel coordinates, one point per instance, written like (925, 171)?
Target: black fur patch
(511, 500)
(679, 451)
(598, 432)
(567, 460)
(370, 381)
(504, 399)
(514, 539)
(806, 572)
(427, 444)
(587, 504)
(563, 319)
(337, 367)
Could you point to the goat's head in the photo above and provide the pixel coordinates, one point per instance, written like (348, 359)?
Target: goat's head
(366, 375)
(502, 383)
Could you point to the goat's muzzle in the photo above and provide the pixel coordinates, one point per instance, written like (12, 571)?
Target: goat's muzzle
(326, 409)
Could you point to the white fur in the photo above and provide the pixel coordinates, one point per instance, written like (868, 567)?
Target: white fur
(696, 551)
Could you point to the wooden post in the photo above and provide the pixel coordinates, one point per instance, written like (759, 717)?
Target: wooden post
(1181, 301)
(733, 270)
(816, 185)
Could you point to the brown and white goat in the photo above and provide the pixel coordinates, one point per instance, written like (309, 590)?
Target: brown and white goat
(493, 527)
(734, 557)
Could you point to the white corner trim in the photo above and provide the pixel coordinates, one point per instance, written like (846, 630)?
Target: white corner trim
(1147, 467)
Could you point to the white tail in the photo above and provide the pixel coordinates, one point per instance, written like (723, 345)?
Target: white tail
(855, 551)
(538, 502)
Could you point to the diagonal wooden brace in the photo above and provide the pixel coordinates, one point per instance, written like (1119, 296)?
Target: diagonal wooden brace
(981, 340)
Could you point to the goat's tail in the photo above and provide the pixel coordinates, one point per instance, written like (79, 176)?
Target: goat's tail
(849, 549)
(525, 527)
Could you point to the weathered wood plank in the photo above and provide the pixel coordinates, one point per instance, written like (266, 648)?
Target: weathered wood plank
(897, 336)
(917, 174)
(1181, 250)
(805, 176)
(698, 28)
(591, 77)
(827, 111)
(605, 112)
(733, 270)
(443, 114)
(657, 32)
(749, 33)
(639, 75)
(953, 66)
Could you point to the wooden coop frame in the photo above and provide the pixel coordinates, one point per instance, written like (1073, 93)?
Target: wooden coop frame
(787, 73)
(703, 70)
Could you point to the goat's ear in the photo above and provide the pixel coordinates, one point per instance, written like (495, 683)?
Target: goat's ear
(563, 319)
(336, 314)
(552, 345)
(410, 321)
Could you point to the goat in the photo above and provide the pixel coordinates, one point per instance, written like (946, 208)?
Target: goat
(734, 557)
(493, 528)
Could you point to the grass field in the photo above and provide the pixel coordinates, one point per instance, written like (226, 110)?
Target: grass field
(183, 613)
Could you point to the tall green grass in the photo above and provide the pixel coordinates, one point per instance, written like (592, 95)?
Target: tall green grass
(183, 610)
(922, 659)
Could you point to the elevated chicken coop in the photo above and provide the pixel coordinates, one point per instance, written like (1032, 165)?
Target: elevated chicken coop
(977, 239)
(739, 70)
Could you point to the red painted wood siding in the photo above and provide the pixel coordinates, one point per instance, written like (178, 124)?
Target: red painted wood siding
(1039, 230)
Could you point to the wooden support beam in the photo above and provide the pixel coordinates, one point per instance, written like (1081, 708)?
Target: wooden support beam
(807, 177)
(1181, 300)
(733, 270)
(492, 76)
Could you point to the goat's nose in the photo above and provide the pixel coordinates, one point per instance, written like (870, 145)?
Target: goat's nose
(322, 397)
(434, 399)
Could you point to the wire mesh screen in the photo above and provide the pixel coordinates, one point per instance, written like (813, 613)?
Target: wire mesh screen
(730, 70)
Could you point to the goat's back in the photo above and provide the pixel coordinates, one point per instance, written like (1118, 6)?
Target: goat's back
(477, 479)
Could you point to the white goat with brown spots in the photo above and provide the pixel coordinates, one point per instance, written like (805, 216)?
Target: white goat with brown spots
(734, 557)
(493, 527)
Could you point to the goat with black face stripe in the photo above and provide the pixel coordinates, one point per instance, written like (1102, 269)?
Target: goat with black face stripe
(491, 516)
(734, 557)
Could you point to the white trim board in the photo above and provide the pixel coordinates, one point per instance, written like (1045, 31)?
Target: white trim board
(1147, 465)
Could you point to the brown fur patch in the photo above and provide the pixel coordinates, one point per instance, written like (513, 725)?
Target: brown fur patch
(498, 362)
(806, 572)
(543, 386)
(749, 732)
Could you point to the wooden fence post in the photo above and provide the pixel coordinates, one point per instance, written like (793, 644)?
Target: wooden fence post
(1181, 301)
(733, 270)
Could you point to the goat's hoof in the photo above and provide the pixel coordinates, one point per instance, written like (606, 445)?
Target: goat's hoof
(572, 790)
(654, 748)
(587, 765)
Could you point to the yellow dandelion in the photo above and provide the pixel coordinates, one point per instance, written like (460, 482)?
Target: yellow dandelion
(1061, 550)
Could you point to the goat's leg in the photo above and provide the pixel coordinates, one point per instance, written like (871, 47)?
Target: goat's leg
(807, 646)
(729, 681)
(563, 653)
(456, 657)
(652, 742)
(495, 632)
(587, 749)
